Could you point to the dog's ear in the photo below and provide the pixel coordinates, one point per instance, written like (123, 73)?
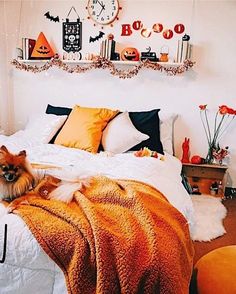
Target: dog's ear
(4, 149)
(22, 153)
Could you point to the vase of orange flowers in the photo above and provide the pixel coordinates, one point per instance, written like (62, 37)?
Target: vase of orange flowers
(223, 118)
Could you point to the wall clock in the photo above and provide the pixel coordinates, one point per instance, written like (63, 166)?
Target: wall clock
(103, 12)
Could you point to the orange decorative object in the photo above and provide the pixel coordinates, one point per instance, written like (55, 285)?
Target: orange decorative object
(164, 54)
(149, 153)
(185, 147)
(42, 49)
(130, 54)
(164, 57)
(196, 159)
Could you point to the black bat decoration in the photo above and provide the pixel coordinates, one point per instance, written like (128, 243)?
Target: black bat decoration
(96, 38)
(52, 18)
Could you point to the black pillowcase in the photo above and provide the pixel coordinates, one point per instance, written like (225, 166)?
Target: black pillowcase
(148, 122)
(57, 110)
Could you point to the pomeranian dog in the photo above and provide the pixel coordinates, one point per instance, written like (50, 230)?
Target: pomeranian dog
(16, 174)
(18, 182)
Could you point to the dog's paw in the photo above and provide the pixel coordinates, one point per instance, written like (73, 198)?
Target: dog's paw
(10, 208)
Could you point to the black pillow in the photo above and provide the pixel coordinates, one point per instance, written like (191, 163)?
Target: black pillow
(57, 110)
(148, 122)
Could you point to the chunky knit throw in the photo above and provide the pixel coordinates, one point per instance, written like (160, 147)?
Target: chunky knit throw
(117, 236)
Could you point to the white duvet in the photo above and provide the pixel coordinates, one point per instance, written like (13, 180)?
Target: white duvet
(27, 269)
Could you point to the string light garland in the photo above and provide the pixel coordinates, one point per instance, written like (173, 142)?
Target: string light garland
(103, 63)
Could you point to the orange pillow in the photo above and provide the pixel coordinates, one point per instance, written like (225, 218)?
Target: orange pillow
(83, 128)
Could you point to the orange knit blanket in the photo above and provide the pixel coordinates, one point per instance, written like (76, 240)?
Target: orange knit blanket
(118, 236)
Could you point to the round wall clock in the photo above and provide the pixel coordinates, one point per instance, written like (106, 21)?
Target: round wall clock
(103, 12)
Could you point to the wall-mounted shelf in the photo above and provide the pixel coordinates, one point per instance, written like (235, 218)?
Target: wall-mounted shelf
(81, 66)
(115, 62)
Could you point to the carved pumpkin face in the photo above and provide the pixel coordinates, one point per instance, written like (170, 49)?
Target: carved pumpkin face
(42, 49)
(130, 54)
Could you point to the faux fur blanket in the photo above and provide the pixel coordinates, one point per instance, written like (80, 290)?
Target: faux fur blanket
(118, 236)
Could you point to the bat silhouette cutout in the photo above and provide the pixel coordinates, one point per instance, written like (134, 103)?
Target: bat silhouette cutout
(96, 38)
(52, 18)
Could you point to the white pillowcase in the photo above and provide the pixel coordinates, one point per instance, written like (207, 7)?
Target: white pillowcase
(120, 134)
(167, 131)
(41, 128)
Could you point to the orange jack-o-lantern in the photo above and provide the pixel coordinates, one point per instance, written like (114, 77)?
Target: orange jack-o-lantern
(42, 49)
(130, 54)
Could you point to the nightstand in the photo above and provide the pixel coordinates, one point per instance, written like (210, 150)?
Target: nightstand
(208, 178)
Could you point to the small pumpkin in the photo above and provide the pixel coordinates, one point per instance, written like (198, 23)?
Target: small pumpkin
(130, 54)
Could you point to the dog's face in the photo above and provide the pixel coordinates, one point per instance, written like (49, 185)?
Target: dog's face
(16, 177)
(11, 166)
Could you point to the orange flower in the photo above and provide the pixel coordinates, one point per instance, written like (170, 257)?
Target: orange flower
(203, 107)
(223, 118)
(231, 111)
(223, 109)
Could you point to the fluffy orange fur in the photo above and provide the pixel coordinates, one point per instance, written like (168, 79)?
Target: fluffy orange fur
(16, 175)
(17, 180)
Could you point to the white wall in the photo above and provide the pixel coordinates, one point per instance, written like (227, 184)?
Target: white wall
(211, 25)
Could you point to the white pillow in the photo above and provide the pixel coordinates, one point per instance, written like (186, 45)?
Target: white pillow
(41, 128)
(120, 134)
(167, 131)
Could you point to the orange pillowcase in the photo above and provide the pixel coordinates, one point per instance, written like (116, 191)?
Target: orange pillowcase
(83, 128)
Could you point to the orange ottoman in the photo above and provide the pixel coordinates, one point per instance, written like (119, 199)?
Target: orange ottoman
(216, 271)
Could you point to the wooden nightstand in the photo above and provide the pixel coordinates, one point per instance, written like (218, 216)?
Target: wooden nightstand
(204, 175)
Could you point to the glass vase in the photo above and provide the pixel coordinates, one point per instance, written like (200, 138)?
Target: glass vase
(210, 158)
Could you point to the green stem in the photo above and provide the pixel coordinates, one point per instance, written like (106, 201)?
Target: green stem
(215, 124)
(208, 127)
(207, 135)
(218, 130)
(226, 127)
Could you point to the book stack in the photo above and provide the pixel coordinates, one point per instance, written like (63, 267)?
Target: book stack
(107, 49)
(184, 51)
(27, 47)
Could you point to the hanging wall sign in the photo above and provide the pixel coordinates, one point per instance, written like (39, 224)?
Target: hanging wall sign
(72, 34)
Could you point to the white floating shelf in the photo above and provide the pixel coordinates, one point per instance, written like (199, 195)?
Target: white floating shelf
(81, 66)
(116, 62)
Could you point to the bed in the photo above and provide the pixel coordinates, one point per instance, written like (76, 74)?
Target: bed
(27, 268)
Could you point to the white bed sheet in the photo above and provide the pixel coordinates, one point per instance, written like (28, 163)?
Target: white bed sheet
(27, 268)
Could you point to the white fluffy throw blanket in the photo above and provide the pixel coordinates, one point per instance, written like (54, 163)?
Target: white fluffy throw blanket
(209, 215)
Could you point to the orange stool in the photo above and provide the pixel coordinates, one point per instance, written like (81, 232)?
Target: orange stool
(215, 272)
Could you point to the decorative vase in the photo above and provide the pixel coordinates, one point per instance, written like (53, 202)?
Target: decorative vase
(210, 158)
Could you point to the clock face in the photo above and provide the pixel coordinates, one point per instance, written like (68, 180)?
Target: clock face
(103, 11)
